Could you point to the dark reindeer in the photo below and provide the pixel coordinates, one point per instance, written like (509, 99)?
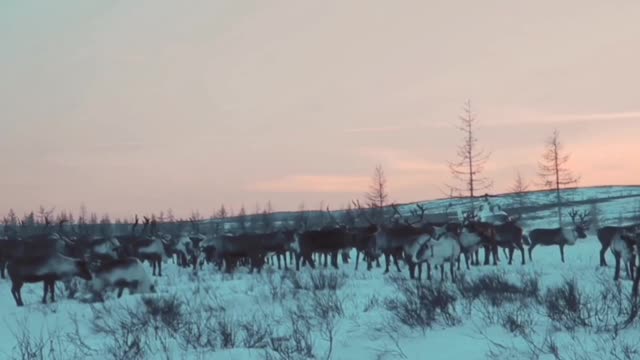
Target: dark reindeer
(251, 246)
(326, 241)
(567, 235)
(510, 236)
(362, 241)
(47, 269)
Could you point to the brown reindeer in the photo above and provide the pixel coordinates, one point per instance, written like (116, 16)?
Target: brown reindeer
(47, 269)
(566, 235)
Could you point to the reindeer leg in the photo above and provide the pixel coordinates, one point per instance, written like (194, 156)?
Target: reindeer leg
(442, 272)
(626, 269)
(521, 248)
(44, 291)
(357, 259)
(395, 262)
(120, 291)
(378, 263)
(52, 290)
(616, 274)
(487, 254)
(511, 251)
(603, 251)
(429, 271)
(562, 252)
(420, 272)
(451, 269)
(412, 269)
(387, 260)
(16, 292)
(531, 250)
(334, 259)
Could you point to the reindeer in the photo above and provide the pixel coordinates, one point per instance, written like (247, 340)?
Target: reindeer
(392, 240)
(624, 248)
(509, 235)
(566, 235)
(330, 240)
(47, 269)
(151, 248)
(436, 252)
(124, 273)
(472, 237)
(608, 233)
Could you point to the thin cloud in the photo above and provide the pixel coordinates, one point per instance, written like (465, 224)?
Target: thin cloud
(390, 129)
(401, 160)
(518, 119)
(597, 116)
(313, 184)
(546, 119)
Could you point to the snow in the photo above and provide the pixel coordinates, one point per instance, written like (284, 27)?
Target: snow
(366, 330)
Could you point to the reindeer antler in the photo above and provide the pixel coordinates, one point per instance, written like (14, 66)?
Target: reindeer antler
(135, 223)
(394, 207)
(583, 218)
(422, 209)
(61, 223)
(333, 218)
(573, 213)
(361, 212)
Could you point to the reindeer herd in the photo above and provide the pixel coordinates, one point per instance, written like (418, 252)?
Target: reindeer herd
(116, 262)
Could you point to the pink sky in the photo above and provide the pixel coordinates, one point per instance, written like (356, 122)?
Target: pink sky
(139, 107)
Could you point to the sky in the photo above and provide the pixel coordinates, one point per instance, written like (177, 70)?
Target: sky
(136, 107)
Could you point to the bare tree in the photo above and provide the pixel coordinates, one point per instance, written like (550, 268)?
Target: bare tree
(12, 219)
(84, 214)
(468, 168)
(241, 219)
(106, 230)
(301, 220)
(348, 217)
(377, 197)
(519, 189)
(170, 217)
(553, 169)
(222, 213)
(266, 218)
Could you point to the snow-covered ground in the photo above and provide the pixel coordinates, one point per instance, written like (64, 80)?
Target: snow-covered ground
(354, 322)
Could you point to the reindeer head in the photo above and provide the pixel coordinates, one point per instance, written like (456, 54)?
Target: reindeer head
(580, 221)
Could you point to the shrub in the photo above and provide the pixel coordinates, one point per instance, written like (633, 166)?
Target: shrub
(420, 305)
(327, 280)
(496, 289)
(567, 306)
